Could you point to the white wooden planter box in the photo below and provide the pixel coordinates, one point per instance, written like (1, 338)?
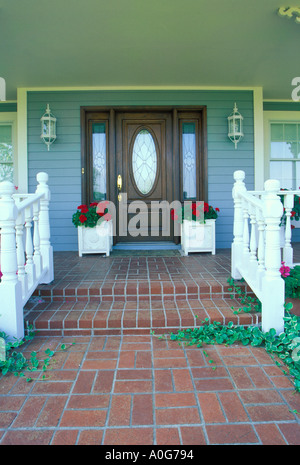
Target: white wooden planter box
(95, 240)
(198, 237)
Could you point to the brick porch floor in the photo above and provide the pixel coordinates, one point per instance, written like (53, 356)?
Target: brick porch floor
(96, 295)
(119, 385)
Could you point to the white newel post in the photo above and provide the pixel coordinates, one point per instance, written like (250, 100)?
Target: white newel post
(272, 284)
(238, 224)
(46, 250)
(11, 307)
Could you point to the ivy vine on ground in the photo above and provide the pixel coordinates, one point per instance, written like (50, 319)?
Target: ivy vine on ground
(284, 348)
(15, 362)
(249, 303)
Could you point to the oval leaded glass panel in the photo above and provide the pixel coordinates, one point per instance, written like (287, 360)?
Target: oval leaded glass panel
(144, 161)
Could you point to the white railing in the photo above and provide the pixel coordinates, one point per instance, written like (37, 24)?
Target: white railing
(287, 253)
(26, 252)
(286, 229)
(256, 252)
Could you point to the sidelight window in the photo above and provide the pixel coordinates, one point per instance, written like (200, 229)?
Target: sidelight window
(6, 154)
(99, 147)
(189, 161)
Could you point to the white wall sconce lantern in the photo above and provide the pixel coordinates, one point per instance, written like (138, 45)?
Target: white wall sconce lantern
(235, 126)
(48, 127)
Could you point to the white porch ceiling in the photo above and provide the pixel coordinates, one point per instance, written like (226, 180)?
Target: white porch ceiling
(65, 43)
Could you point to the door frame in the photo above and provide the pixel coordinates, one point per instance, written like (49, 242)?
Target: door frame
(111, 110)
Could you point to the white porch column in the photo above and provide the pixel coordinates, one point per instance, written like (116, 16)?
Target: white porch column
(238, 223)
(46, 249)
(11, 304)
(273, 296)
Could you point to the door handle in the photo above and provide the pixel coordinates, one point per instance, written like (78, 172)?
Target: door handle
(119, 185)
(119, 182)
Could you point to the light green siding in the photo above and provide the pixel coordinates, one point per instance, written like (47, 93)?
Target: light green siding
(63, 161)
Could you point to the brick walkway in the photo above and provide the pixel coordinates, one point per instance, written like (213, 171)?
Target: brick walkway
(141, 390)
(118, 385)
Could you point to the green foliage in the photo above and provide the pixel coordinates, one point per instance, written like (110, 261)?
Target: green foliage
(195, 211)
(88, 216)
(295, 213)
(280, 347)
(249, 303)
(15, 362)
(292, 283)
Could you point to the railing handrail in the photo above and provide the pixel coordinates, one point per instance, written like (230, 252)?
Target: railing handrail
(26, 253)
(250, 197)
(29, 200)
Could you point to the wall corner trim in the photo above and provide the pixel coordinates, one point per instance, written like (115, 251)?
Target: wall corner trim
(258, 115)
(22, 140)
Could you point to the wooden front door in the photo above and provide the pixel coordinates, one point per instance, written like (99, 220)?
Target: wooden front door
(144, 165)
(158, 154)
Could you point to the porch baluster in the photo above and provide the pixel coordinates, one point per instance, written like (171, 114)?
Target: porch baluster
(253, 244)
(261, 246)
(37, 258)
(22, 276)
(287, 248)
(246, 229)
(30, 268)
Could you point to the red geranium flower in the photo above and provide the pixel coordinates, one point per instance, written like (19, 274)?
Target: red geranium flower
(93, 204)
(174, 216)
(83, 208)
(217, 209)
(82, 218)
(206, 207)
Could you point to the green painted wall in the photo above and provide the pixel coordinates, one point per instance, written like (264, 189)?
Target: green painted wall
(63, 163)
(281, 106)
(8, 107)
